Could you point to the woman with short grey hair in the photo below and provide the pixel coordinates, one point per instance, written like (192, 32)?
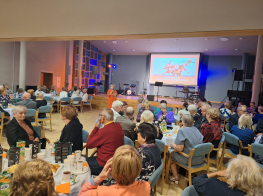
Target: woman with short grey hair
(187, 138)
(165, 114)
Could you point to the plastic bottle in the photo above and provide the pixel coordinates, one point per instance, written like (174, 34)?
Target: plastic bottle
(164, 125)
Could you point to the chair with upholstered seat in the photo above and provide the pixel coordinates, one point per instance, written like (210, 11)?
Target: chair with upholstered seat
(218, 160)
(155, 177)
(153, 108)
(128, 141)
(85, 136)
(51, 102)
(227, 128)
(197, 151)
(45, 109)
(190, 191)
(233, 140)
(256, 149)
(2, 124)
(170, 109)
(79, 99)
(87, 103)
(38, 130)
(62, 102)
(32, 113)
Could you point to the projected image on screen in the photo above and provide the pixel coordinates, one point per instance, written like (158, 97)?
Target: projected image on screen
(174, 69)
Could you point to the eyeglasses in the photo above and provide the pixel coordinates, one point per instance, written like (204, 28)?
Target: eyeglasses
(101, 115)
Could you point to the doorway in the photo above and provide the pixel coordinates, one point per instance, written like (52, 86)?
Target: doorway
(46, 79)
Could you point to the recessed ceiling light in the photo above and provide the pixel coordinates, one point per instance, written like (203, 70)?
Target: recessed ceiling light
(241, 38)
(223, 39)
(126, 41)
(236, 49)
(206, 49)
(133, 50)
(150, 40)
(104, 42)
(176, 40)
(207, 39)
(113, 50)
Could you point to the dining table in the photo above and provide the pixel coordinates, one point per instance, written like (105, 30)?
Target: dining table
(75, 188)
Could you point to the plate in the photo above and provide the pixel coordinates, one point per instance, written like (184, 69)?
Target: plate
(84, 170)
(58, 170)
(73, 180)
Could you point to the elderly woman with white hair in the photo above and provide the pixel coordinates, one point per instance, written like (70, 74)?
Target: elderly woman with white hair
(75, 94)
(85, 96)
(19, 128)
(187, 138)
(116, 108)
(244, 132)
(244, 177)
(165, 114)
(193, 111)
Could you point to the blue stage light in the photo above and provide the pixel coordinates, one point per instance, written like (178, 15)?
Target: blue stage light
(114, 66)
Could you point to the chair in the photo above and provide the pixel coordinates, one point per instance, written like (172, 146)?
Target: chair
(79, 99)
(64, 99)
(39, 133)
(218, 161)
(155, 177)
(128, 141)
(223, 119)
(153, 108)
(45, 109)
(85, 136)
(256, 149)
(48, 99)
(2, 125)
(198, 150)
(32, 113)
(87, 103)
(170, 108)
(227, 128)
(190, 191)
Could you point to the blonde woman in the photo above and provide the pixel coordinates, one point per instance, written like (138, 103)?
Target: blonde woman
(125, 166)
(244, 177)
(112, 94)
(75, 94)
(244, 132)
(212, 131)
(33, 178)
(145, 106)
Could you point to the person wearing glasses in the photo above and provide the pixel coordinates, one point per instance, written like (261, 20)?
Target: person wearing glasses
(106, 139)
(233, 120)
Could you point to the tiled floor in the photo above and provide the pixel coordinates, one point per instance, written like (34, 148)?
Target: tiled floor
(87, 118)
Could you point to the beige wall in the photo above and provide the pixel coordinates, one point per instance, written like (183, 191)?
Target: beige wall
(124, 17)
(47, 57)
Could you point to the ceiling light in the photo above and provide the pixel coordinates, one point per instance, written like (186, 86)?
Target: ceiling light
(206, 49)
(133, 50)
(241, 38)
(115, 42)
(104, 42)
(207, 39)
(223, 39)
(176, 40)
(126, 41)
(150, 40)
(236, 49)
(113, 50)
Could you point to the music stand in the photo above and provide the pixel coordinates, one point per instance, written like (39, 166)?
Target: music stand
(158, 84)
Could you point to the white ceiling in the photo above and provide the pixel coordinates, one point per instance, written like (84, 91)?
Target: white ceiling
(205, 45)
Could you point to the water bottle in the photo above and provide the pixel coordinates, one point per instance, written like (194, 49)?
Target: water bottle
(15, 96)
(176, 111)
(164, 125)
(4, 104)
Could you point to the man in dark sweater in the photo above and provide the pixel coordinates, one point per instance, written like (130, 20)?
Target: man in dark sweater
(106, 140)
(202, 120)
(233, 120)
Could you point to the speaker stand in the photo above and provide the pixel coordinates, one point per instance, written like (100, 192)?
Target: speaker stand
(157, 93)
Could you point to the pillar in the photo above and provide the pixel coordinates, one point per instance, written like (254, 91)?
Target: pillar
(67, 71)
(110, 69)
(22, 65)
(80, 62)
(243, 67)
(258, 70)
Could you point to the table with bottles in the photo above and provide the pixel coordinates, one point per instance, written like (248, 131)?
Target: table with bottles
(169, 135)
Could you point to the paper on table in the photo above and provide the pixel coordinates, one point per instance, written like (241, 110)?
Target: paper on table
(63, 188)
(4, 155)
(85, 164)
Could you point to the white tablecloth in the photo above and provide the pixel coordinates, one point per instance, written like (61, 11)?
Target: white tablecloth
(74, 189)
(56, 98)
(9, 110)
(168, 140)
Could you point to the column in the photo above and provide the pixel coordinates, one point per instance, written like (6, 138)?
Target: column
(243, 67)
(80, 61)
(22, 65)
(67, 71)
(110, 69)
(258, 70)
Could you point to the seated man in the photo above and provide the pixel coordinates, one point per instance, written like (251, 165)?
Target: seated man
(106, 140)
(28, 103)
(225, 111)
(193, 111)
(53, 90)
(9, 91)
(202, 120)
(20, 93)
(126, 122)
(233, 120)
(252, 109)
(116, 108)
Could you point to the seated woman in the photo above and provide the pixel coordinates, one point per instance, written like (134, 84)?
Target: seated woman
(187, 138)
(72, 132)
(164, 113)
(156, 112)
(33, 178)
(244, 132)
(147, 117)
(258, 115)
(19, 128)
(4, 96)
(149, 151)
(31, 92)
(183, 111)
(212, 131)
(40, 102)
(140, 100)
(123, 108)
(48, 94)
(75, 94)
(145, 106)
(244, 177)
(125, 166)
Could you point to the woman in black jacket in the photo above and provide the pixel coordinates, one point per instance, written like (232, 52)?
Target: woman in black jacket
(72, 131)
(40, 102)
(19, 128)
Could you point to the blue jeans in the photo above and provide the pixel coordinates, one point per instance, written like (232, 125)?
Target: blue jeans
(95, 168)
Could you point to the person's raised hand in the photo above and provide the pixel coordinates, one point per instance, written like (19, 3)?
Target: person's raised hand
(36, 139)
(98, 123)
(105, 172)
(221, 173)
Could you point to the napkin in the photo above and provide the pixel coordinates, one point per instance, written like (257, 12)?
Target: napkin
(4, 155)
(85, 164)
(63, 188)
